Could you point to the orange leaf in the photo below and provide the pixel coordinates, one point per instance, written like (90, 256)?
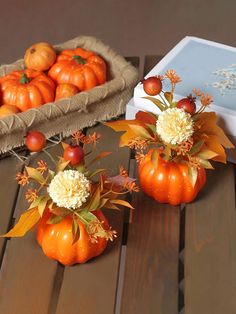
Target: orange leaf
(146, 117)
(122, 202)
(26, 222)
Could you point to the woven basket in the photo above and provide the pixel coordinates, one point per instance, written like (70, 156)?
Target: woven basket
(82, 110)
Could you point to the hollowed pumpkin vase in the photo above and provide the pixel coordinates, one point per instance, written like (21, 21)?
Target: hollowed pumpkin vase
(56, 240)
(168, 181)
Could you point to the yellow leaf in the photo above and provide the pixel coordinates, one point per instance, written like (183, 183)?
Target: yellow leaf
(62, 164)
(124, 125)
(207, 154)
(42, 204)
(26, 222)
(64, 145)
(35, 174)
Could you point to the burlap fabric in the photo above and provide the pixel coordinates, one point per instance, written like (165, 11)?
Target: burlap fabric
(82, 110)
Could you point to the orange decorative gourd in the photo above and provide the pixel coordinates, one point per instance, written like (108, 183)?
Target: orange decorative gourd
(40, 56)
(168, 181)
(6, 110)
(27, 89)
(79, 67)
(65, 90)
(56, 240)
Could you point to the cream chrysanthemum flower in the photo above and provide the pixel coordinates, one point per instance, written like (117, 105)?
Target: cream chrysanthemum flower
(174, 126)
(69, 189)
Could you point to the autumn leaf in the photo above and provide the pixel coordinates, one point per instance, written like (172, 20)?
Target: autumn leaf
(98, 157)
(35, 175)
(156, 102)
(61, 165)
(42, 204)
(140, 131)
(169, 97)
(192, 172)
(207, 154)
(26, 222)
(146, 117)
(64, 145)
(121, 202)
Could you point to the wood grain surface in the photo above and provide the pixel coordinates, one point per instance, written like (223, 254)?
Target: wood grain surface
(91, 288)
(210, 246)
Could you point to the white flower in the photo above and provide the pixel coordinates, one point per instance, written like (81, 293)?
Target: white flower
(69, 189)
(174, 126)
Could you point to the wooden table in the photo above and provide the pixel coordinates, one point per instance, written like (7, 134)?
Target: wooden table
(166, 259)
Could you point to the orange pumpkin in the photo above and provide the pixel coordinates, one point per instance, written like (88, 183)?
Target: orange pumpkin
(6, 110)
(65, 91)
(27, 89)
(40, 56)
(79, 67)
(56, 240)
(168, 181)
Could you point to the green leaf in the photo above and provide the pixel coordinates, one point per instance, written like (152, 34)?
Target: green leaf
(64, 145)
(51, 174)
(36, 202)
(26, 222)
(169, 97)
(35, 175)
(80, 167)
(193, 173)
(140, 131)
(54, 219)
(196, 148)
(152, 128)
(86, 216)
(155, 102)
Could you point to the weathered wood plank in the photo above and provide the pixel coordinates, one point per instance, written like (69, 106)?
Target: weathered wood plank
(151, 275)
(210, 246)
(27, 276)
(91, 288)
(8, 193)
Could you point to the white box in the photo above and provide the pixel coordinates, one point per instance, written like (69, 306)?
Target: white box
(196, 61)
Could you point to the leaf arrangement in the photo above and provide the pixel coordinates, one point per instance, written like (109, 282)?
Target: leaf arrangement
(206, 142)
(103, 191)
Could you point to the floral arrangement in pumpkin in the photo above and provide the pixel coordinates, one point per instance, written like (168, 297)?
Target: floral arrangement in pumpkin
(49, 76)
(66, 200)
(183, 141)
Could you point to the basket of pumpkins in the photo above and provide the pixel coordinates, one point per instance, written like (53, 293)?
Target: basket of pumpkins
(57, 89)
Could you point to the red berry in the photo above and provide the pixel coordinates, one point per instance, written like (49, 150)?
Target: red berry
(152, 85)
(188, 104)
(74, 154)
(35, 141)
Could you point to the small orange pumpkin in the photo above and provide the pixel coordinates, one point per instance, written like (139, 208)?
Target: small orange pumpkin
(40, 56)
(65, 90)
(168, 181)
(27, 89)
(6, 110)
(79, 67)
(56, 240)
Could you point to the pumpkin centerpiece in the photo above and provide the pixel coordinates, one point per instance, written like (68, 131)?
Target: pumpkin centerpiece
(66, 202)
(183, 140)
(27, 89)
(79, 67)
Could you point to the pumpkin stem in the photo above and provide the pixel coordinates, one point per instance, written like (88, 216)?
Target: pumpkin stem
(24, 79)
(79, 59)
